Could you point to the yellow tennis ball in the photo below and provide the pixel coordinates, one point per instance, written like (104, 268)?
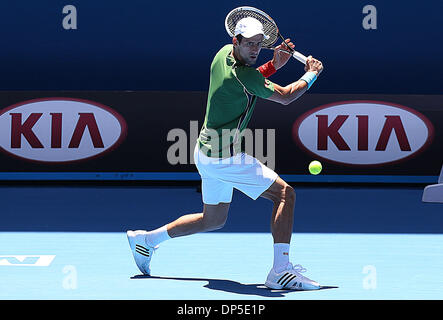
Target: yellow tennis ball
(315, 167)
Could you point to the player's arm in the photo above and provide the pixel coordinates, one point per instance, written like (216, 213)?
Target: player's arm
(286, 95)
(280, 58)
(290, 93)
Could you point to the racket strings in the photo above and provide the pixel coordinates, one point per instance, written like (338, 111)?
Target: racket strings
(269, 27)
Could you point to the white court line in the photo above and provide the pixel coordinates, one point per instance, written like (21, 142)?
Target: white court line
(26, 260)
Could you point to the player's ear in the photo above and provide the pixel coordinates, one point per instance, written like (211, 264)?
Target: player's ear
(235, 41)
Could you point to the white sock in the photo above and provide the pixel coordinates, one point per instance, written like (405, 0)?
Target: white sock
(157, 236)
(281, 256)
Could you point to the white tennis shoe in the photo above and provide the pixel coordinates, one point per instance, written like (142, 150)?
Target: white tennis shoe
(291, 279)
(140, 250)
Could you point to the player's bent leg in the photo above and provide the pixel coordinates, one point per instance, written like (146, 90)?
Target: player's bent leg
(282, 219)
(141, 242)
(213, 217)
(283, 274)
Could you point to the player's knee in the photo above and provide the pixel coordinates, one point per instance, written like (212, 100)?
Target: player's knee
(288, 194)
(214, 223)
(219, 225)
(214, 216)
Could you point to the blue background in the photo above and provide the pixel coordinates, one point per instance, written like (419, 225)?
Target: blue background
(169, 45)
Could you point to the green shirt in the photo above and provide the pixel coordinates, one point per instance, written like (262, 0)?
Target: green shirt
(233, 91)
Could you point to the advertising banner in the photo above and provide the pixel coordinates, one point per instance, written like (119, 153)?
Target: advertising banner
(150, 135)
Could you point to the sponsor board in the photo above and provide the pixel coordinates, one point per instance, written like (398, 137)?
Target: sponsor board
(84, 135)
(363, 132)
(56, 130)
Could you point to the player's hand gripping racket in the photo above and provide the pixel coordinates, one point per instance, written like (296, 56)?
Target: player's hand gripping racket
(269, 27)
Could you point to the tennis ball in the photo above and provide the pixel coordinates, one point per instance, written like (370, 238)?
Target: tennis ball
(315, 167)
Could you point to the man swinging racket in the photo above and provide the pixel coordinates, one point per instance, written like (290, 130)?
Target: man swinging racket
(233, 91)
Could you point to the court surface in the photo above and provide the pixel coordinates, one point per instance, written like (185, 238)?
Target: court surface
(358, 242)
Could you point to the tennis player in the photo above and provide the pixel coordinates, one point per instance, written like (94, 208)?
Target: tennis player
(234, 87)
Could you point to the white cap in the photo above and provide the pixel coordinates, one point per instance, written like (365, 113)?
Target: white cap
(249, 27)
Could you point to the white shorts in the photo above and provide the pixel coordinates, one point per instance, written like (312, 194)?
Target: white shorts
(242, 172)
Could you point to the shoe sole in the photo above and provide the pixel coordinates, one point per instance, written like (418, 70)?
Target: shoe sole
(275, 286)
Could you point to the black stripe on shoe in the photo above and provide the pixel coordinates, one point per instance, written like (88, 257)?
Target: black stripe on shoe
(283, 278)
(142, 253)
(289, 280)
(141, 248)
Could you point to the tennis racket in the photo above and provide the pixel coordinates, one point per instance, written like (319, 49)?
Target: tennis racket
(269, 27)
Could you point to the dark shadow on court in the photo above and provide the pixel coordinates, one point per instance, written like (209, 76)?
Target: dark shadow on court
(233, 286)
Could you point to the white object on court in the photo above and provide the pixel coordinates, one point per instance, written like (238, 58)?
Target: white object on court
(434, 192)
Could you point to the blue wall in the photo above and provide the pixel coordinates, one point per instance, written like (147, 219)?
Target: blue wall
(168, 45)
(336, 209)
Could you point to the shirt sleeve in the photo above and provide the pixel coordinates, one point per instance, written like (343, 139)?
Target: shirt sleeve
(254, 82)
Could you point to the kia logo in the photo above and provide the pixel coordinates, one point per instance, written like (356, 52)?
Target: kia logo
(363, 132)
(58, 130)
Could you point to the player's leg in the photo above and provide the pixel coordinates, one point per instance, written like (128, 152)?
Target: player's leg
(283, 274)
(282, 219)
(216, 197)
(212, 218)
(255, 179)
(143, 243)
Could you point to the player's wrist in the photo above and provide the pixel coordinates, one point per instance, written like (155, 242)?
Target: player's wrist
(309, 77)
(267, 69)
(314, 71)
(276, 64)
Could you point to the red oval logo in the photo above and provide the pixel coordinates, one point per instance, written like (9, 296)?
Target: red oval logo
(363, 132)
(58, 130)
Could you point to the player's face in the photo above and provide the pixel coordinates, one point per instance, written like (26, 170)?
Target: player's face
(249, 48)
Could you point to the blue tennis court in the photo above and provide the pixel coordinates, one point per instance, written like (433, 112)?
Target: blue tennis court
(358, 242)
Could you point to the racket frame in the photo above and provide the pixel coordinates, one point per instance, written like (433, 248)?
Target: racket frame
(295, 54)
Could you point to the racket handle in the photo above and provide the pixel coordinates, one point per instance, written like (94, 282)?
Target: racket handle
(297, 55)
